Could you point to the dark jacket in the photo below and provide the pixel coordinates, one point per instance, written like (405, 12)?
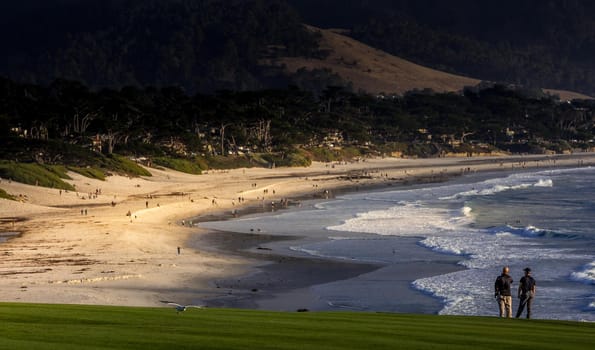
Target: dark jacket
(502, 285)
(527, 284)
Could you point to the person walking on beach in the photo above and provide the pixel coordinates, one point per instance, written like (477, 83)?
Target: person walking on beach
(526, 293)
(502, 293)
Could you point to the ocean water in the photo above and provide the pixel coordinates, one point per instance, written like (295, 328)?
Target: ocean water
(543, 219)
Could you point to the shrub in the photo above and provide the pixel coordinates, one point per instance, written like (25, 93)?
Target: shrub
(348, 153)
(35, 174)
(182, 165)
(231, 162)
(289, 159)
(90, 172)
(323, 154)
(299, 158)
(5, 195)
(124, 165)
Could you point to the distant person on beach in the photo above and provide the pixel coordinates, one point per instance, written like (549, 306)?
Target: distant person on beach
(502, 293)
(526, 293)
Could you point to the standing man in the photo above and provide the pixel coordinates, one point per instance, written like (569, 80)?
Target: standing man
(502, 293)
(526, 293)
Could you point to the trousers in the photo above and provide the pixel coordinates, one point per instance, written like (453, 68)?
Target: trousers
(505, 303)
(525, 300)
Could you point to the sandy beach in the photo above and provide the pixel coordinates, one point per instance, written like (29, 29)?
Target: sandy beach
(82, 248)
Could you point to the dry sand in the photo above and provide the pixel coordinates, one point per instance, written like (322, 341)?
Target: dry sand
(81, 249)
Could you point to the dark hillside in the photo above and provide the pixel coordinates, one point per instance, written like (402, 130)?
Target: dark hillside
(530, 42)
(209, 45)
(198, 45)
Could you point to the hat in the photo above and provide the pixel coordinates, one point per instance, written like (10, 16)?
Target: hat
(526, 269)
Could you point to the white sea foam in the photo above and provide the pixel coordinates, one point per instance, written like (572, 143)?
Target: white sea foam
(586, 275)
(544, 183)
(406, 220)
(529, 231)
(489, 188)
(451, 234)
(308, 251)
(321, 205)
(341, 238)
(467, 211)
(459, 290)
(450, 231)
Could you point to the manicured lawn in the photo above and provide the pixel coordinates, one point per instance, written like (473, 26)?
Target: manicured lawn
(35, 326)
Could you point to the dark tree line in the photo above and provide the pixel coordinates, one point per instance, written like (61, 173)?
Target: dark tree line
(199, 45)
(157, 121)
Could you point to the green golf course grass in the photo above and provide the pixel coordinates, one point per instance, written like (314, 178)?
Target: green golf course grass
(43, 326)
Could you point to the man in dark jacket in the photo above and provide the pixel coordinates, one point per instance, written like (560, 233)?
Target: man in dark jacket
(502, 293)
(526, 293)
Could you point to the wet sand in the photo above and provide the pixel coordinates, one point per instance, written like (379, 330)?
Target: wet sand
(272, 273)
(280, 279)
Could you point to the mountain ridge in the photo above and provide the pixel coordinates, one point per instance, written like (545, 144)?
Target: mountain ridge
(374, 71)
(204, 46)
(530, 43)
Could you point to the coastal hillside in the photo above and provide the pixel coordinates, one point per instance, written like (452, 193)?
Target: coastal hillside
(197, 45)
(372, 70)
(375, 71)
(204, 46)
(525, 42)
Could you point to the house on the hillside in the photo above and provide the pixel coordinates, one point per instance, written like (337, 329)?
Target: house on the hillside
(175, 145)
(333, 139)
(20, 132)
(95, 144)
(426, 136)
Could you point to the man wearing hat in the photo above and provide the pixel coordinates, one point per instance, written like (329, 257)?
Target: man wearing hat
(526, 293)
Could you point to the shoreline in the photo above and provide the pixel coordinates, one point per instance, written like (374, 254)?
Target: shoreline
(272, 272)
(109, 258)
(283, 296)
(279, 280)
